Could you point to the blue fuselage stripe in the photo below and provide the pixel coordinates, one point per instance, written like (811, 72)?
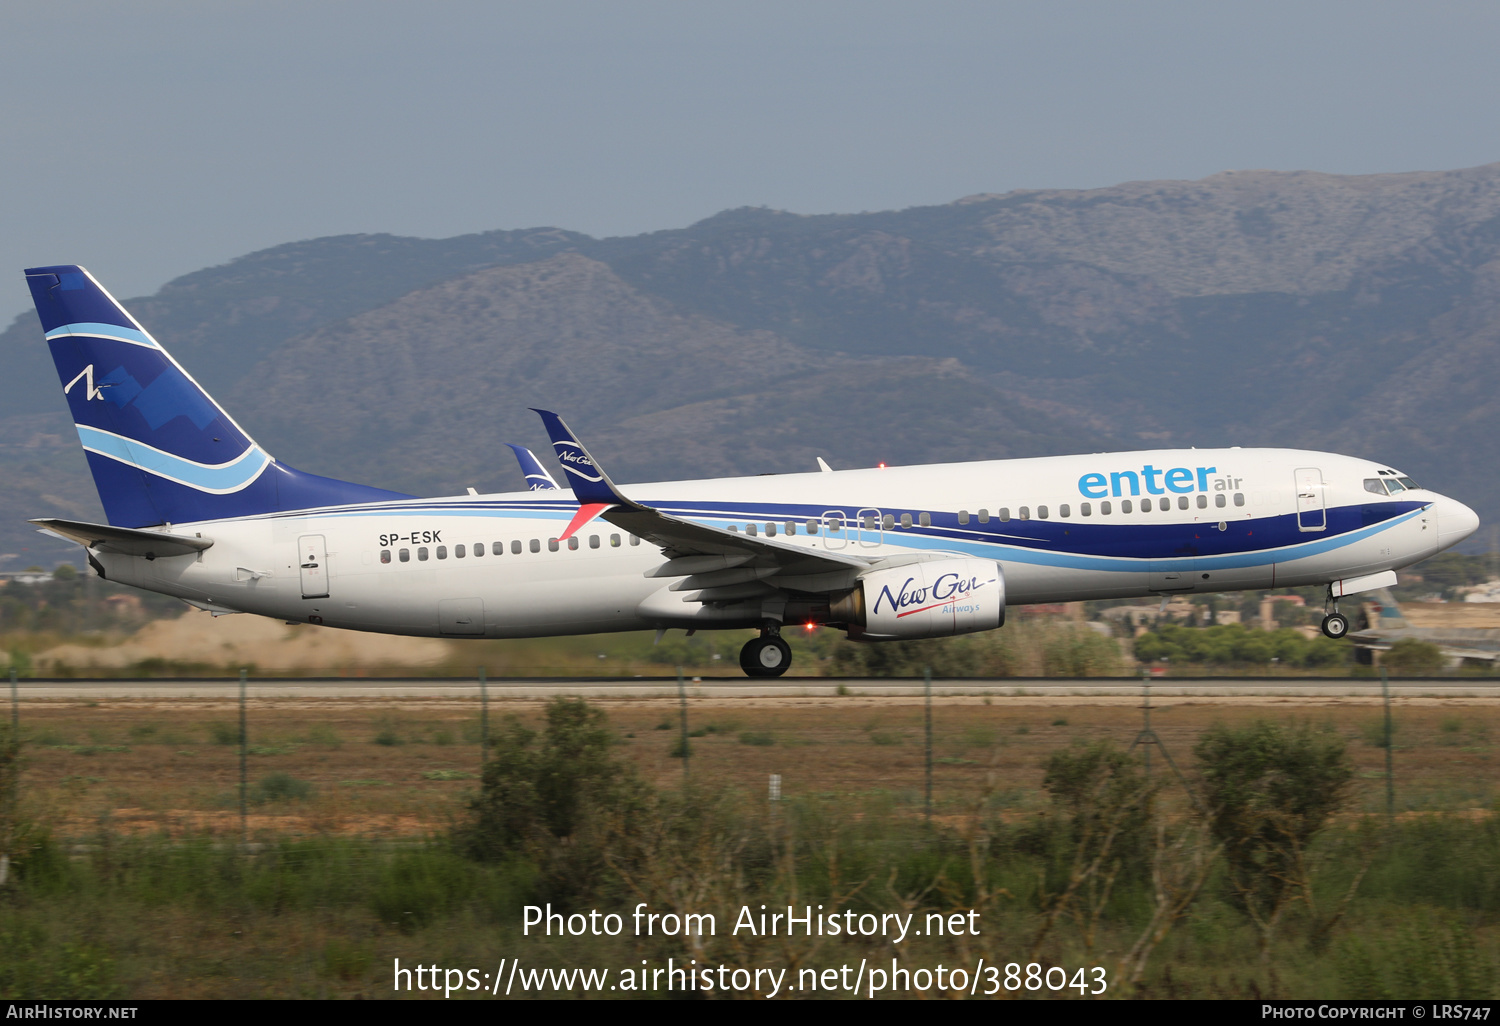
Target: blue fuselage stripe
(1265, 540)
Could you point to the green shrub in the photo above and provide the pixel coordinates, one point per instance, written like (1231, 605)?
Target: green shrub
(1231, 644)
(757, 738)
(1269, 790)
(548, 786)
(279, 787)
(1411, 655)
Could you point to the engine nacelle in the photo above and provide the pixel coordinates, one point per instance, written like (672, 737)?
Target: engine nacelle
(934, 599)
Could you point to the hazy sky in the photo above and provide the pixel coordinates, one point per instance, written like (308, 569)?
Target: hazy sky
(149, 139)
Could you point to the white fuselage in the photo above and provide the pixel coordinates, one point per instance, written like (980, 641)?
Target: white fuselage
(1220, 520)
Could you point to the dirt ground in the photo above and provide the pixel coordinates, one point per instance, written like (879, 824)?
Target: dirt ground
(404, 767)
(200, 637)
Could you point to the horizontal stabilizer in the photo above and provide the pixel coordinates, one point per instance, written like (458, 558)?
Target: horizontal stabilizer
(124, 540)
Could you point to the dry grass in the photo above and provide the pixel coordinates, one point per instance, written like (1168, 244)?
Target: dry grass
(153, 765)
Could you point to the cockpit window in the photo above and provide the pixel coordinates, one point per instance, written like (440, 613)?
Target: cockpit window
(1409, 482)
(1373, 484)
(1394, 485)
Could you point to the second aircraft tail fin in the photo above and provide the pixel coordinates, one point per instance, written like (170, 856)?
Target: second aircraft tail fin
(537, 478)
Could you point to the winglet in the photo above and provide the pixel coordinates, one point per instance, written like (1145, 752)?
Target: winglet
(589, 481)
(537, 478)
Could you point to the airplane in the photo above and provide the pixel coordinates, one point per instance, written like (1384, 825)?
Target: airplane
(197, 509)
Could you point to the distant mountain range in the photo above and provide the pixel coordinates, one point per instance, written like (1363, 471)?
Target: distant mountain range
(1357, 314)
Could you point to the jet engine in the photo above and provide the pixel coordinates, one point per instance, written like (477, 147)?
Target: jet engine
(932, 599)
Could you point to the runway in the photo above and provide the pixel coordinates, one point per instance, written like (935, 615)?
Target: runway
(742, 687)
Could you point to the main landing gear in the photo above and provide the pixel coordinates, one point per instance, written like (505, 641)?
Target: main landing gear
(767, 655)
(1335, 624)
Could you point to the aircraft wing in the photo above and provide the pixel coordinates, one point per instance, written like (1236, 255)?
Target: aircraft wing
(125, 540)
(537, 478)
(708, 557)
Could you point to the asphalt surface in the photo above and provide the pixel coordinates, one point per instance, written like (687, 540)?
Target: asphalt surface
(743, 687)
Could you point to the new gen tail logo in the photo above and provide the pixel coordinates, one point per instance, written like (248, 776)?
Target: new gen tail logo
(87, 377)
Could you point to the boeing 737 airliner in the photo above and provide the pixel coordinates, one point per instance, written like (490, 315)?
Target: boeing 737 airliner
(198, 510)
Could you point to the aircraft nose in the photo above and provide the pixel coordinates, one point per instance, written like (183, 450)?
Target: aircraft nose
(1455, 521)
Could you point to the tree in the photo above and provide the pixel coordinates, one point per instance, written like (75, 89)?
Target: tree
(534, 794)
(1107, 801)
(1411, 655)
(1269, 791)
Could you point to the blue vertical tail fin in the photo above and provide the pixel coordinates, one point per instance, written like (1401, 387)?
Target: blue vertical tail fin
(537, 478)
(160, 449)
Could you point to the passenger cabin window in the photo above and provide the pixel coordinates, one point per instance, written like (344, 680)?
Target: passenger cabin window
(634, 540)
(1064, 511)
(1202, 501)
(925, 519)
(1219, 501)
(405, 555)
(459, 552)
(1145, 505)
(1182, 502)
(573, 543)
(1025, 513)
(1374, 486)
(1239, 498)
(791, 528)
(812, 527)
(1004, 515)
(442, 552)
(614, 541)
(750, 529)
(906, 520)
(984, 516)
(889, 521)
(593, 541)
(515, 547)
(1105, 509)
(963, 517)
(770, 530)
(422, 553)
(536, 545)
(1041, 512)
(551, 544)
(1124, 505)
(1085, 509)
(385, 555)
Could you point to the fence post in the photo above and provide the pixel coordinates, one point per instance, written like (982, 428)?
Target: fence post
(1390, 776)
(484, 721)
(682, 703)
(244, 746)
(927, 691)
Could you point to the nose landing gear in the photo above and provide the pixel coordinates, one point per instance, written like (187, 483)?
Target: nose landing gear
(1335, 624)
(767, 655)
